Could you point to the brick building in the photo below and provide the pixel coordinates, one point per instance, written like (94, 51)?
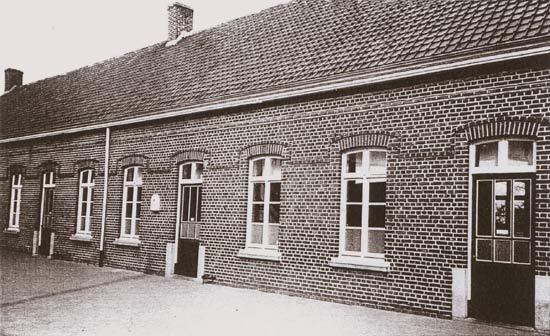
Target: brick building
(392, 154)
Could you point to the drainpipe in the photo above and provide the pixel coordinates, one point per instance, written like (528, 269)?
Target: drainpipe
(105, 185)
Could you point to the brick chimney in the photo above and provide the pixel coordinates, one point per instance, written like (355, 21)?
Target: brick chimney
(180, 19)
(13, 78)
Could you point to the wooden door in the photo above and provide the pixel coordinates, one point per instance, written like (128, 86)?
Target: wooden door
(502, 258)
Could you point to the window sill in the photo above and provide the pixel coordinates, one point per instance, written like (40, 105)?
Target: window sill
(81, 237)
(12, 230)
(369, 264)
(134, 242)
(257, 253)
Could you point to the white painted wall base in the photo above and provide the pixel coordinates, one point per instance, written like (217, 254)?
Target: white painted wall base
(170, 254)
(200, 266)
(542, 302)
(35, 244)
(52, 239)
(460, 293)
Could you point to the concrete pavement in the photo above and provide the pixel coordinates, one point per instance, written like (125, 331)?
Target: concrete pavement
(52, 297)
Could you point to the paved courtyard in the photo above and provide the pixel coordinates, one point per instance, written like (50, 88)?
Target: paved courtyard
(52, 297)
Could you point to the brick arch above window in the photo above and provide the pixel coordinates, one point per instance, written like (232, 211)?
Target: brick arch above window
(47, 166)
(86, 164)
(188, 155)
(367, 139)
(133, 160)
(266, 148)
(522, 127)
(16, 169)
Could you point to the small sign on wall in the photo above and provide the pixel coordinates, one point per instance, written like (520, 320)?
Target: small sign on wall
(155, 202)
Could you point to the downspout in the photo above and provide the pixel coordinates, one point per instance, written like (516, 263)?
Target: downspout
(105, 185)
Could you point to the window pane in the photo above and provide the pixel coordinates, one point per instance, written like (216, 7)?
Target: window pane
(193, 204)
(522, 211)
(256, 234)
(273, 235)
(185, 204)
(275, 192)
(502, 223)
(377, 162)
(502, 250)
(197, 174)
(353, 240)
(139, 175)
(192, 230)
(258, 213)
(377, 214)
(92, 176)
(355, 191)
(377, 192)
(485, 249)
(276, 168)
(258, 167)
(83, 208)
(84, 177)
(136, 229)
(138, 210)
(84, 194)
(186, 171)
(128, 213)
(376, 241)
(274, 211)
(129, 194)
(128, 227)
(484, 208)
(354, 162)
(353, 215)
(82, 226)
(522, 252)
(520, 153)
(258, 192)
(185, 230)
(486, 154)
(130, 175)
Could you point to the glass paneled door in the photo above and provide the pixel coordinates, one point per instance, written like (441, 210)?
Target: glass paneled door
(502, 258)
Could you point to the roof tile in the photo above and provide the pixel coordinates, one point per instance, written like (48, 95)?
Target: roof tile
(284, 46)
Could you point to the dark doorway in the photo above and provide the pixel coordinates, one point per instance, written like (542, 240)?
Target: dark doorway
(503, 278)
(188, 256)
(46, 221)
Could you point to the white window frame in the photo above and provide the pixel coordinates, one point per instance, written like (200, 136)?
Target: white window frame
(132, 238)
(363, 259)
(48, 182)
(183, 182)
(263, 250)
(15, 201)
(89, 184)
(503, 166)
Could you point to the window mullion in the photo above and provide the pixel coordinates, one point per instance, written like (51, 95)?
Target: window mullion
(134, 210)
(265, 233)
(88, 209)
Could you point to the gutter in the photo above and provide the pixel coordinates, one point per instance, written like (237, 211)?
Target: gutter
(300, 91)
(105, 185)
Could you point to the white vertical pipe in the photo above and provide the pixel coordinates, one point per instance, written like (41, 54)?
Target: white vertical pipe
(105, 185)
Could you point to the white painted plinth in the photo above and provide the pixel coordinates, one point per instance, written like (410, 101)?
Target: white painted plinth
(460, 293)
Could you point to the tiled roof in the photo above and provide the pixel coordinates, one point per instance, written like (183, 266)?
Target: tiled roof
(284, 46)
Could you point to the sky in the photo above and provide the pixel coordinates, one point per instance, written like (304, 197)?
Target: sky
(45, 38)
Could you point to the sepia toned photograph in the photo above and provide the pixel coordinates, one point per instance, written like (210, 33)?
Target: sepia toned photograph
(275, 167)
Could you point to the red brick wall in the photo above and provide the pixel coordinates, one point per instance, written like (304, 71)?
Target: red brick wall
(427, 206)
